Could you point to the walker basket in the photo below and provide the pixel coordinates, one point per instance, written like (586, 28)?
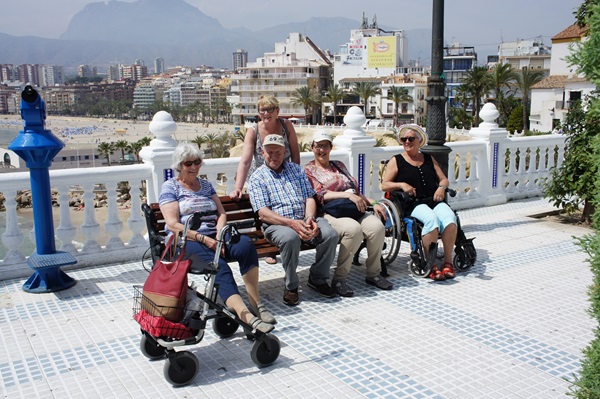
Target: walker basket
(151, 318)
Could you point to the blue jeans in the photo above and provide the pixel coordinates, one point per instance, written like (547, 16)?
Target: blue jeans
(288, 242)
(243, 252)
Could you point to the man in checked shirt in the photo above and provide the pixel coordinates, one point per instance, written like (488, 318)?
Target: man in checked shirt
(284, 199)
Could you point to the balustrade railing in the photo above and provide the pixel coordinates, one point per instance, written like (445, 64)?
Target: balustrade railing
(487, 165)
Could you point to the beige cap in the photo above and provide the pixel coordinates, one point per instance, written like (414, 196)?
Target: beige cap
(322, 135)
(274, 139)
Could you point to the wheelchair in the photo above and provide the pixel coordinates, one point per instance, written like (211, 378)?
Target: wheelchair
(400, 228)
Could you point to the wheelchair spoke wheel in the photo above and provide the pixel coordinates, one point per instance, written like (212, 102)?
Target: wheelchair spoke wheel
(224, 326)
(181, 368)
(265, 350)
(151, 349)
(393, 230)
(419, 269)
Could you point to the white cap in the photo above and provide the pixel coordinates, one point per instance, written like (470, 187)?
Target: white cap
(274, 139)
(322, 135)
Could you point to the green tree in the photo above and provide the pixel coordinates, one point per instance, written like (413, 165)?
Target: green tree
(398, 95)
(122, 145)
(335, 94)
(515, 121)
(304, 97)
(106, 149)
(366, 90)
(525, 81)
(478, 83)
(502, 77)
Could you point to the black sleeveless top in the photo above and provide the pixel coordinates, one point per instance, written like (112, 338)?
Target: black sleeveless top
(423, 178)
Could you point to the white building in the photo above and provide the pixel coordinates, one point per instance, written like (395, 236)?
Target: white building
(295, 63)
(551, 98)
(532, 54)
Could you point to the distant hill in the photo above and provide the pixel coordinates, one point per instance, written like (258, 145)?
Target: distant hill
(106, 33)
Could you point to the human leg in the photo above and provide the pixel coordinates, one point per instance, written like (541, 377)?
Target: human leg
(449, 230)
(429, 236)
(374, 233)
(288, 242)
(326, 244)
(350, 239)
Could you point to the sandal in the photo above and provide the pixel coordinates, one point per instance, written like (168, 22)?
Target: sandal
(448, 271)
(261, 311)
(271, 261)
(437, 275)
(258, 324)
(379, 282)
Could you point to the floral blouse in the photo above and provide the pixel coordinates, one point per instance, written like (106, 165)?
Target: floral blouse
(324, 180)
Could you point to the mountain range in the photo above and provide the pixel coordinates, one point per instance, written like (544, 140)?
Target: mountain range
(105, 33)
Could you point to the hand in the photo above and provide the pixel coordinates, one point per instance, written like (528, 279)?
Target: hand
(212, 244)
(236, 194)
(439, 194)
(380, 211)
(360, 203)
(304, 229)
(410, 190)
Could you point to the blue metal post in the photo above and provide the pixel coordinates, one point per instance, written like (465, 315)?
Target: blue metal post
(38, 146)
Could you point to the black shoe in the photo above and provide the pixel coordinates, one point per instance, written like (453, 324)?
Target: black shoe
(324, 289)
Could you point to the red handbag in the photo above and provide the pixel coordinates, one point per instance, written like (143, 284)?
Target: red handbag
(165, 289)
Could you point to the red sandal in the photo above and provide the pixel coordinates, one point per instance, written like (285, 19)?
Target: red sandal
(448, 271)
(436, 275)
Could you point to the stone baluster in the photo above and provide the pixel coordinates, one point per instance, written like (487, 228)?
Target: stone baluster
(512, 170)
(113, 225)
(12, 238)
(461, 180)
(473, 180)
(136, 222)
(522, 169)
(90, 228)
(65, 231)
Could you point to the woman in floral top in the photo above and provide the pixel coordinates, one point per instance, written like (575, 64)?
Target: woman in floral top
(331, 180)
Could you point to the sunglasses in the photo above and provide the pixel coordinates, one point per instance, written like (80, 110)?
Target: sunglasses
(410, 139)
(266, 110)
(190, 163)
(322, 146)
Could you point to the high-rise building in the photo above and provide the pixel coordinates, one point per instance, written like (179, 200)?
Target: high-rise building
(159, 66)
(458, 61)
(86, 71)
(240, 59)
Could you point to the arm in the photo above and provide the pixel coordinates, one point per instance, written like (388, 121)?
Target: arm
(304, 230)
(221, 222)
(245, 162)
(293, 140)
(440, 192)
(388, 183)
(170, 211)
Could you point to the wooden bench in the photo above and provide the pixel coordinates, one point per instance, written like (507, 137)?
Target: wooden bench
(239, 213)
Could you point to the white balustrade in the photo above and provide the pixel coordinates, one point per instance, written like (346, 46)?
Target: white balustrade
(490, 168)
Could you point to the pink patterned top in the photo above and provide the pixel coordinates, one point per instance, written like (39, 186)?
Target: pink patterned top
(324, 180)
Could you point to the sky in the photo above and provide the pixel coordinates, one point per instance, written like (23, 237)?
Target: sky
(469, 22)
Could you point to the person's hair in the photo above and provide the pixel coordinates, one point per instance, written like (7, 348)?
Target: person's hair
(185, 151)
(267, 101)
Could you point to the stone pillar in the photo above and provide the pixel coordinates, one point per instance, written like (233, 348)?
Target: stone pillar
(492, 181)
(160, 152)
(359, 146)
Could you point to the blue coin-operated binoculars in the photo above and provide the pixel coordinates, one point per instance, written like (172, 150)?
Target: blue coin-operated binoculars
(37, 147)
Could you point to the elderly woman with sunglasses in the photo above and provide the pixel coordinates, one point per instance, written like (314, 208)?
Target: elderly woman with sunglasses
(251, 159)
(420, 176)
(187, 193)
(331, 180)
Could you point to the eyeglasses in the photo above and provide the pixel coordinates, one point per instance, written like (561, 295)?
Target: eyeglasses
(322, 146)
(190, 163)
(266, 110)
(410, 139)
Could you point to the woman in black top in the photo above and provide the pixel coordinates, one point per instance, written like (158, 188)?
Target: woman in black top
(420, 176)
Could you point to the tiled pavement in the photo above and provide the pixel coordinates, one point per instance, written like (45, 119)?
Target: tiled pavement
(512, 327)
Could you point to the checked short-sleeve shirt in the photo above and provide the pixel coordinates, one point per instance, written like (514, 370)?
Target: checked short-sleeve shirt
(284, 193)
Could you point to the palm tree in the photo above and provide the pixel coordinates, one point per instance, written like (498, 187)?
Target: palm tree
(366, 90)
(335, 94)
(122, 145)
(525, 82)
(478, 83)
(106, 149)
(502, 76)
(136, 148)
(210, 139)
(304, 97)
(199, 140)
(398, 95)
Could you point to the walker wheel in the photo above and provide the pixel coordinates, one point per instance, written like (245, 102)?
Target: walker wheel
(181, 368)
(224, 326)
(265, 350)
(151, 349)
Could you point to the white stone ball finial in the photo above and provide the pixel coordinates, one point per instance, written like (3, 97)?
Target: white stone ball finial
(163, 126)
(354, 119)
(489, 114)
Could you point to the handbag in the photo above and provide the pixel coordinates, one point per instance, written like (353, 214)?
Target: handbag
(164, 292)
(342, 208)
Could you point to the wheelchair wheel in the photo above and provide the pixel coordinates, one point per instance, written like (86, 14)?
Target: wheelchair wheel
(151, 349)
(224, 326)
(181, 368)
(265, 350)
(465, 256)
(418, 265)
(393, 231)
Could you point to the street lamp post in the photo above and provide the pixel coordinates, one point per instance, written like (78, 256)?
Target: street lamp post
(436, 110)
